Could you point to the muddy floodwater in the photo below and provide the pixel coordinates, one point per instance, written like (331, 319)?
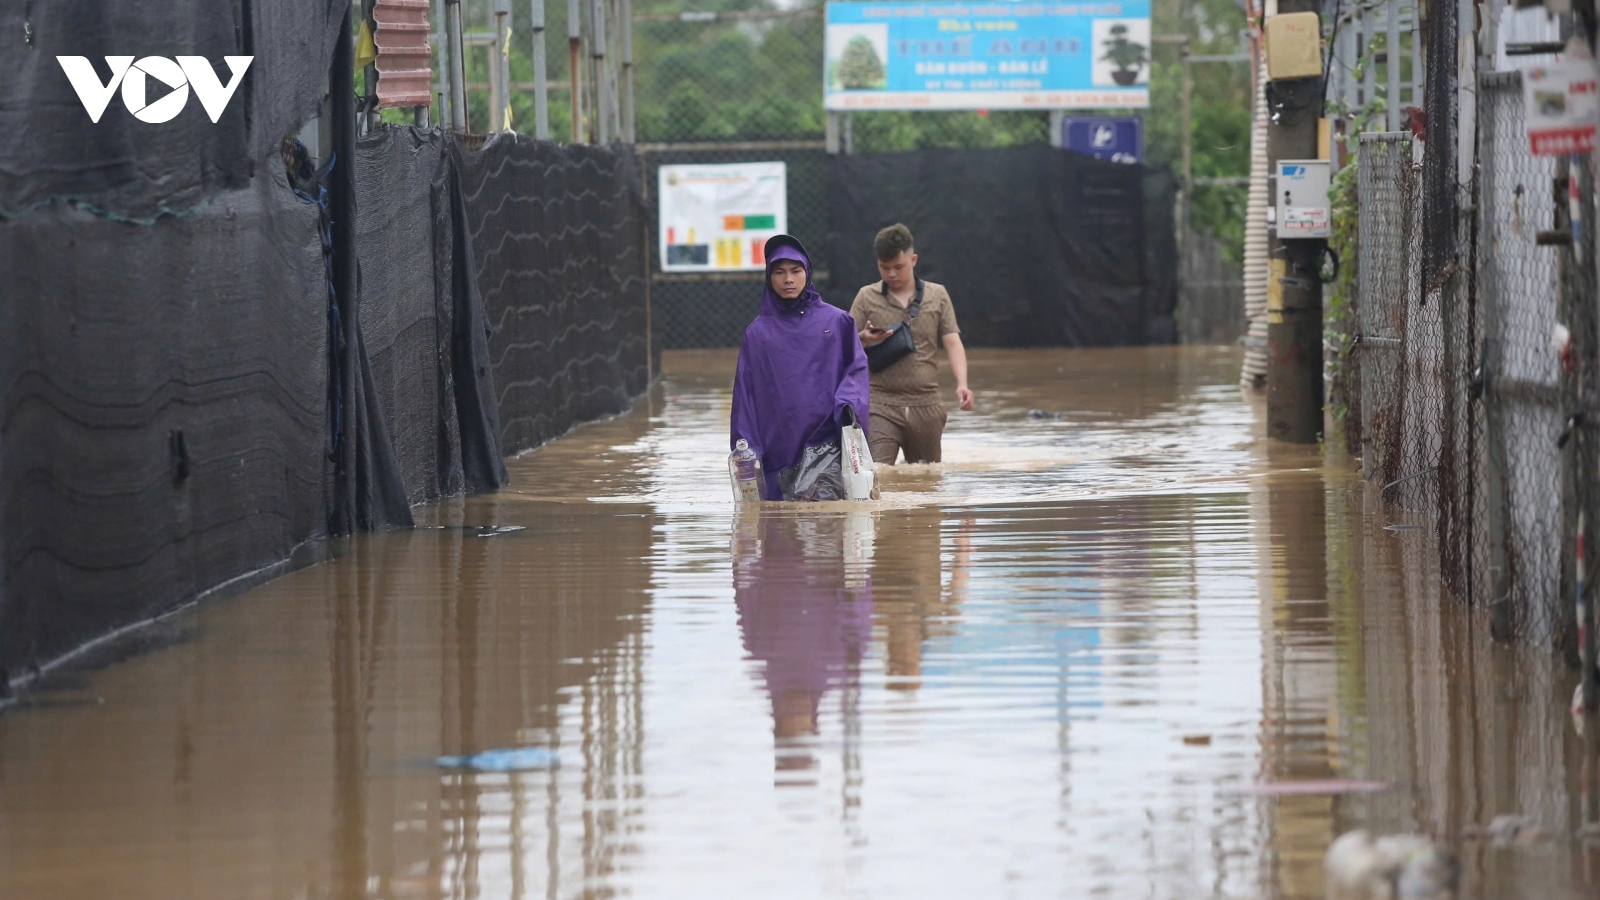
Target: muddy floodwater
(1115, 646)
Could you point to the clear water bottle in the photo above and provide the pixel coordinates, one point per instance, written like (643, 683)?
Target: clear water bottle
(744, 469)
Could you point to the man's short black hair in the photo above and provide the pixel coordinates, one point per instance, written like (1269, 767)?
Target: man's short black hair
(892, 241)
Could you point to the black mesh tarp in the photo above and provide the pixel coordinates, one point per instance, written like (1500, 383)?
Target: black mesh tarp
(120, 166)
(1038, 247)
(171, 393)
(557, 234)
(1160, 257)
(165, 408)
(400, 321)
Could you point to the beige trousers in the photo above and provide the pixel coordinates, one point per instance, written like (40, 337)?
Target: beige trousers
(915, 429)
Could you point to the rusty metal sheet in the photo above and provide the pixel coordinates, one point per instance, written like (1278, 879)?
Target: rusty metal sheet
(405, 59)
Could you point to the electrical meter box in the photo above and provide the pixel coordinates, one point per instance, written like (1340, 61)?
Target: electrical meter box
(1302, 199)
(1294, 46)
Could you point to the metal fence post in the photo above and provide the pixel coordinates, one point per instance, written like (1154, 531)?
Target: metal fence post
(541, 75)
(496, 99)
(1391, 63)
(626, 24)
(458, 66)
(575, 66)
(602, 81)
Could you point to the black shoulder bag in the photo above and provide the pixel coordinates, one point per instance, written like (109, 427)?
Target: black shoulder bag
(899, 344)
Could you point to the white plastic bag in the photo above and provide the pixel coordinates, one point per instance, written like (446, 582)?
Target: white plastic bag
(858, 470)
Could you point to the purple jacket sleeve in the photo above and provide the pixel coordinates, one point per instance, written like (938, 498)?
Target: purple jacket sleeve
(742, 423)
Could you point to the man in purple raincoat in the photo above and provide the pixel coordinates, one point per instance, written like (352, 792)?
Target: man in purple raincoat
(802, 377)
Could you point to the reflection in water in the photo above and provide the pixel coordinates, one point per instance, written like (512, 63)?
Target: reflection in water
(1060, 664)
(803, 588)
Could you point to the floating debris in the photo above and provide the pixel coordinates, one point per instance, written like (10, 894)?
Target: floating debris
(512, 759)
(492, 530)
(1042, 414)
(1402, 866)
(1509, 831)
(1197, 740)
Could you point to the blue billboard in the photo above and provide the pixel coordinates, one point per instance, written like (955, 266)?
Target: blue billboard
(1117, 139)
(991, 55)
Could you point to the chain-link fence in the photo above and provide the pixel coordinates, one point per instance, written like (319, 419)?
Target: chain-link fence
(1389, 231)
(1472, 344)
(1521, 373)
(1209, 311)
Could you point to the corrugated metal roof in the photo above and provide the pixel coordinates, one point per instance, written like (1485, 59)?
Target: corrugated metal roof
(405, 60)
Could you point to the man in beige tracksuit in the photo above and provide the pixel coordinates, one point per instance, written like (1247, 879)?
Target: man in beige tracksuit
(907, 413)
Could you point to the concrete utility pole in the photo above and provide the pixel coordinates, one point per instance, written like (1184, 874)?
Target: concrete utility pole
(1294, 286)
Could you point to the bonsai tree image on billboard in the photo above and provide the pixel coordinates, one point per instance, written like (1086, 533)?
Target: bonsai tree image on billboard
(1125, 59)
(857, 57)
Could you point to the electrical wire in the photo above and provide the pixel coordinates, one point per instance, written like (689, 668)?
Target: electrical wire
(1333, 43)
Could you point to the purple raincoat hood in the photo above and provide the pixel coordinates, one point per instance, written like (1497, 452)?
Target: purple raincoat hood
(800, 366)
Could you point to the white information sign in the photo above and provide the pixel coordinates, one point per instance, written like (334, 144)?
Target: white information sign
(1302, 202)
(1559, 104)
(716, 218)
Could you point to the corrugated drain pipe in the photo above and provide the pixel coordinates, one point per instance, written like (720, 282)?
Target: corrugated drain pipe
(1254, 376)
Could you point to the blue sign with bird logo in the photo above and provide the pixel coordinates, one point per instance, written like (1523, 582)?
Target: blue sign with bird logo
(1117, 139)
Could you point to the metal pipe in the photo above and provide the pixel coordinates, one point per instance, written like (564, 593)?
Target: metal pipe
(574, 48)
(500, 65)
(629, 135)
(458, 67)
(441, 90)
(1345, 51)
(1369, 65)
(541, 76)
(602, 77)
(496, 98)
(1185, 145)
(1392, 65)
(1416, 55)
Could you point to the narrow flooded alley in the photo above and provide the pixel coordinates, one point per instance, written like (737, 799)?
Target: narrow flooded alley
(1117, 645)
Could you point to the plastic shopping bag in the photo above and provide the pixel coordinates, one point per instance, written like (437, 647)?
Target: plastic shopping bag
(818, 476)
(857, 463)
